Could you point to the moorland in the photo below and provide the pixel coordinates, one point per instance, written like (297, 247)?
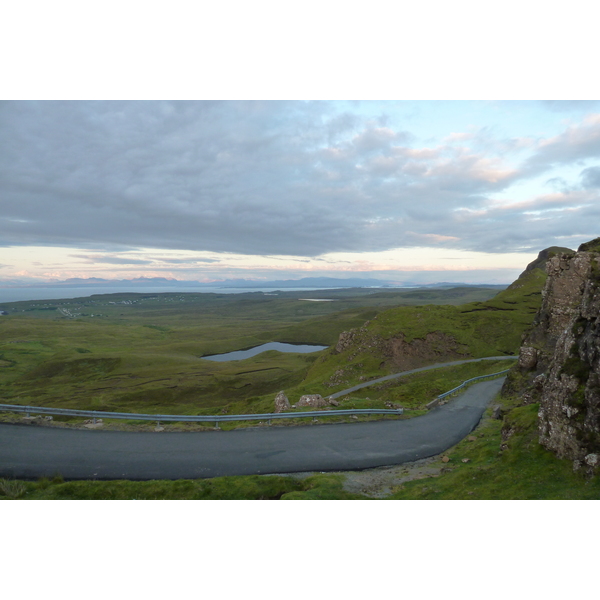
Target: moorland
(143, 353)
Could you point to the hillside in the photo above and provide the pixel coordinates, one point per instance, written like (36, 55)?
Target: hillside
(406, 337)
(143, 352)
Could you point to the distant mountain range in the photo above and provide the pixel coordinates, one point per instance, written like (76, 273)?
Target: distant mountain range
(305, 282)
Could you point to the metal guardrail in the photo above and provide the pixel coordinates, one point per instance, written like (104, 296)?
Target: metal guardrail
(216, 419)
(97, 414)
(465, 383)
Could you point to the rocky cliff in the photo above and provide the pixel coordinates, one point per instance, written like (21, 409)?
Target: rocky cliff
(559, 361)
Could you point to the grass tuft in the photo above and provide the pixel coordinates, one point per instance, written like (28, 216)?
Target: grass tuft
(12, 489)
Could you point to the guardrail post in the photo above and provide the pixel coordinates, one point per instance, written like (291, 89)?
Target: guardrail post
(216, 424)
(269, 422)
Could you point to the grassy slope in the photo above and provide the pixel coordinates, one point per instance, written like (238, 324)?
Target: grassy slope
(141, 353)
(500, 467)
(479, 329)
(251, 487)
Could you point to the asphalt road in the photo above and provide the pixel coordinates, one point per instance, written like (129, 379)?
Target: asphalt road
(29, 452)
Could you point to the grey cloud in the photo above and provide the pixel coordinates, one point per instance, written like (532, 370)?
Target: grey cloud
(577, 143)
(273, 178)
(590, 177)
(186, 261)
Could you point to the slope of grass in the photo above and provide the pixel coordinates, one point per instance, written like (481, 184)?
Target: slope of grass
(251, 487)
(142, 352)
(475, 330)
(504, 468)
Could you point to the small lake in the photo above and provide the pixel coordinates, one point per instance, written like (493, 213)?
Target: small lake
(280, 347)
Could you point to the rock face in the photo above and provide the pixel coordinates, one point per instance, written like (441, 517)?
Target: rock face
(312, 400)
(434, 347)
(282, 403)
(559, 362)
(345, 340)
(398, 353)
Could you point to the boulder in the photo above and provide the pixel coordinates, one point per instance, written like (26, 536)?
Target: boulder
(281, 403)
(345, 340)
(333, 402)
(312, 400)
(527, 357)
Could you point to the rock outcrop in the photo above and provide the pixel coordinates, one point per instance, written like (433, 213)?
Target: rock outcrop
(282, 403)
(559, 361)
(398, 353)
(312, 400)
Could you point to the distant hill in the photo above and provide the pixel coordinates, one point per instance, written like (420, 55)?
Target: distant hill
(305, 282)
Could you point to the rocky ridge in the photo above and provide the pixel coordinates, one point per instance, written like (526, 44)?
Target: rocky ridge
(559, 360)
(398, 353)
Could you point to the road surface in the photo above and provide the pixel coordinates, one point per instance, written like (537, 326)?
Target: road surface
(29, 452)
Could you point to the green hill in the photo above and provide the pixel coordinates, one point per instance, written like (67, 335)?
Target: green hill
(412, 336)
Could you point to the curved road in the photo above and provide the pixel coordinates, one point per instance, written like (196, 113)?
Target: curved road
(29, 452)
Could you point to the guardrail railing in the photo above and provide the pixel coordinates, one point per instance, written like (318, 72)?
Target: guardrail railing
(216, 419)
(464, 384)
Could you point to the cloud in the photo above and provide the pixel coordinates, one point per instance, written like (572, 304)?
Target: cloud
(188, 261)
(590, 177)
(269, 178)
(576, 143)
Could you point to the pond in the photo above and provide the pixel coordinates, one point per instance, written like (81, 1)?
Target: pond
(280, 347)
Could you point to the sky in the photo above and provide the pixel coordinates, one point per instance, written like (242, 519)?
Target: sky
(302, 143)
(208, 190)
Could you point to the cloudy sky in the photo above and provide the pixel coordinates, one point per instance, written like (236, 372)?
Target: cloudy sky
(206, 190)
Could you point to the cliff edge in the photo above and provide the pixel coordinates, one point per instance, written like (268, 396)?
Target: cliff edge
(559, 360)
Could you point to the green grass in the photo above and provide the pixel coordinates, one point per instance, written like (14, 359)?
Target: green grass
(251, 487)
(142, 352)
(438, 333)
(524, 470)
(414, 391)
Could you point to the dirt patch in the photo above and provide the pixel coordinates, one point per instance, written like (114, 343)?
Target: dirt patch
(382, 481)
